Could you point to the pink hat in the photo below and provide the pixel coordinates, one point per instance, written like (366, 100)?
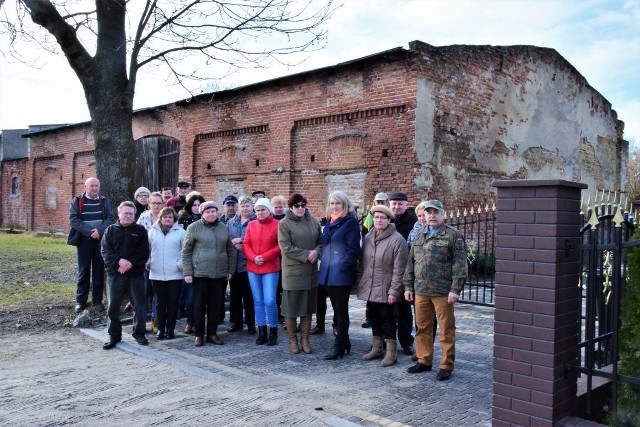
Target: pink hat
(206, 205)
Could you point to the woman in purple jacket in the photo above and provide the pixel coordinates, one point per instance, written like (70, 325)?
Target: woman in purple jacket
(341, 242)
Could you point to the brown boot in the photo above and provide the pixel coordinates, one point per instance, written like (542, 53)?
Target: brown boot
(376, 350)
(290, 323)
(390, 356)
(305, 326)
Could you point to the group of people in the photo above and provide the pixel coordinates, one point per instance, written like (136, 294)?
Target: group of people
(186, 245)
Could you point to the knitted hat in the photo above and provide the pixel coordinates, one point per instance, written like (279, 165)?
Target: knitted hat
(141, 190)
(382, 208)
(264, 202)
(206, 205)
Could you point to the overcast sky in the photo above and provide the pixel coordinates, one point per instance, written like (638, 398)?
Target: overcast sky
(601, 38)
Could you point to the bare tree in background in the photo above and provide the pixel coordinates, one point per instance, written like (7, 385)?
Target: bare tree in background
(128, 35)
(633, 172)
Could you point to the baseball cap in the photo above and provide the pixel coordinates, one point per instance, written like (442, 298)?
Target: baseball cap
(230, 199)
(381, 196)
(434, 204)
(183, 184)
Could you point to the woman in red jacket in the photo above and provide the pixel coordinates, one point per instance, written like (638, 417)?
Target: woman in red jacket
(261, 248)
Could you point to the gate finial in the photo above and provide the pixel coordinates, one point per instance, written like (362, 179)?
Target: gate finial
(618, 219)
(593, 221)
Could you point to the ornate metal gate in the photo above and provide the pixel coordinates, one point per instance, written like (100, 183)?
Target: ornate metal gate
(606, 240)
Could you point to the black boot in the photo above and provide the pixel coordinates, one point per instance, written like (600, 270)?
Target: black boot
(262, 335)
(273, 336)
(338, 349)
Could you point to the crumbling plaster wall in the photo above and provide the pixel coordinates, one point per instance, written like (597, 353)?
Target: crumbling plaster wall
(510, 112)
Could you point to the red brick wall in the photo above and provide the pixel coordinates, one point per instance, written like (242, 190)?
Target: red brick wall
(13, 213)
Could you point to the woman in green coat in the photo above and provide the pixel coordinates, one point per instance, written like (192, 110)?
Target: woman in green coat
(299, 239)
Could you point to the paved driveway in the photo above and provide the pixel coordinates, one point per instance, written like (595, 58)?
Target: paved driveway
(67, 379)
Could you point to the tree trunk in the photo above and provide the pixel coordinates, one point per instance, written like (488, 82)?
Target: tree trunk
(107, 89)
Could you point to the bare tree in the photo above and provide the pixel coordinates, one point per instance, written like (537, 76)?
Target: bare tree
(633, 173)
(221, 35)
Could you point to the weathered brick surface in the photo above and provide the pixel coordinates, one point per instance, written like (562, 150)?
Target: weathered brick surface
(434, 122)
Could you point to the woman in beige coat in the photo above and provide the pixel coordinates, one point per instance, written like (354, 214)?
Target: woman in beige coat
(384, 257)
(299, 239)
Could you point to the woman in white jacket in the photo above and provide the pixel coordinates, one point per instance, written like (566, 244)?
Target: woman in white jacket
(165, 269)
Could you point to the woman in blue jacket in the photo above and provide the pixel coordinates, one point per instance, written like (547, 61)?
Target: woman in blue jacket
(341, 241)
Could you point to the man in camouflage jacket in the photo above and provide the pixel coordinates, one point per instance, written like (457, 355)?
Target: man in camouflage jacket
(435, 274)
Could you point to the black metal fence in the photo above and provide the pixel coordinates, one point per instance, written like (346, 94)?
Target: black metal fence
(606, 238)
(478, 227)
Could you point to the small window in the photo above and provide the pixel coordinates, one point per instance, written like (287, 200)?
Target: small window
(14, 186)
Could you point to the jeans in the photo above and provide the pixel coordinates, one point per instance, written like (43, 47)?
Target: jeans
(241, 300)
(119, 285)
(90, 269)
(208, 296)
(167, 294)
(186, 301)
(150, 296)
(264, 288)
(425, 308)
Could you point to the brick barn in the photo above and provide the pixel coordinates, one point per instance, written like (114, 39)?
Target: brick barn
(434, 122)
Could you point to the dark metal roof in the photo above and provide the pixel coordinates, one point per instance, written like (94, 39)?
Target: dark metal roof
(13, 145)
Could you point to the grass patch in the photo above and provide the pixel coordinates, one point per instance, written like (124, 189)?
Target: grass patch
(35, 268)
(17, 295)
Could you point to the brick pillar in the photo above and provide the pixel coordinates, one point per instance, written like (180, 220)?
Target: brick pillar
(537, 301)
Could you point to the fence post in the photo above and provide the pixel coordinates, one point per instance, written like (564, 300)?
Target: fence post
(537, 301)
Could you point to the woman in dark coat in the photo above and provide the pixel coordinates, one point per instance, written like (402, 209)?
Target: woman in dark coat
(299, 237)
(341, 248)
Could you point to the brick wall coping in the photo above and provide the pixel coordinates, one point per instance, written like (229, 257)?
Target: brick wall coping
(537, 183)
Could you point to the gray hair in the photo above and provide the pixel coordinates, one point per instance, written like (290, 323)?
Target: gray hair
(125, 204)
(243, 200)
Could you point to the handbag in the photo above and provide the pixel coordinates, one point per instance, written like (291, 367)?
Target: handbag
(73, 238)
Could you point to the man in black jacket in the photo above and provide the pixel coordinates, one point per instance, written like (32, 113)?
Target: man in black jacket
(404, 221)
(125, 249)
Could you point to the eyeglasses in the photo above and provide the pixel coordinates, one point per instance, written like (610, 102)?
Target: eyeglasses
(300, 205)
(157, 203)
(143, 195)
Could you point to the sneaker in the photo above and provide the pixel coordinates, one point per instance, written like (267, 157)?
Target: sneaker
(80, 308)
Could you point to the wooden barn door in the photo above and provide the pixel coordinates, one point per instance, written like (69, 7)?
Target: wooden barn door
(157, 160)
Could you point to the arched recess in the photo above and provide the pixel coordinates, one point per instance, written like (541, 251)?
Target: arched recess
(157, 161)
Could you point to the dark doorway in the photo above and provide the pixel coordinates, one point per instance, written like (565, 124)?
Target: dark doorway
(157, 160)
